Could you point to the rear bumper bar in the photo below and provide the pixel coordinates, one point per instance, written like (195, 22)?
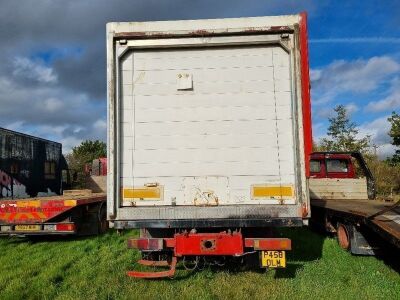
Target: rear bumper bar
(37, 229)
(209, 223)
(222, 244)
(209, 244)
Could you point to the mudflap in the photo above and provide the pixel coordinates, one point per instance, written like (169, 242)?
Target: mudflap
(91, 219)
(362, 242)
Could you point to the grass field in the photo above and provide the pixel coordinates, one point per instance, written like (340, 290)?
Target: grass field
(94, 268)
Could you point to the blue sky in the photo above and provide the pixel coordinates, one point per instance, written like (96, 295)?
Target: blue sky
(355, 56)
(52, 75)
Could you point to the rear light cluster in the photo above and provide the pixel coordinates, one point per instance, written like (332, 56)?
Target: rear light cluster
(5, 228)
(64, 227)
(59, 227)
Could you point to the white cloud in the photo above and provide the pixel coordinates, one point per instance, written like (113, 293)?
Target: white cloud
(385, 150)
(100, 124)
(351, 108)
(69, 142)
(95, 131)
(51, 112)
(324, 112)
(16, 126)
(53, 104)
(390, 102)
(34, 70)
(315, 74)
(48, 131)
(378, 130)
(358, 77)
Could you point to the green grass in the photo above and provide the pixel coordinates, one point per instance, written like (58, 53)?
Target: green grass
(94, 268)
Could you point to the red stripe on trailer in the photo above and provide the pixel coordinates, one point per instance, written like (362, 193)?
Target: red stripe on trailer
(35, 215)
(11, 216)
(305, 91)
(41, 210)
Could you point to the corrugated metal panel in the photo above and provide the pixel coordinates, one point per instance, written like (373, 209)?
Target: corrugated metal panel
(149, 85)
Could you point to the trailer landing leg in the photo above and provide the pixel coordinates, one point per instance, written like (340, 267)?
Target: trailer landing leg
(160, 274)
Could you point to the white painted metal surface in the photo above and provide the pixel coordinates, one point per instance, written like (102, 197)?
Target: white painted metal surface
(205, 118)
(230, 120)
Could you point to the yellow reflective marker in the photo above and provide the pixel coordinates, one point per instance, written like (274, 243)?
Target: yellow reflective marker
(29, 203)
(143, 193)
(268, 191)
(69, 202)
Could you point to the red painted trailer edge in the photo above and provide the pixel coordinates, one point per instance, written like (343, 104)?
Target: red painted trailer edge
(38, 210)
(305, 91)
(54, 215)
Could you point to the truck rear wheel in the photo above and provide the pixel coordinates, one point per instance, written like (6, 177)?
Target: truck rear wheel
(343, 236)
(103, 223)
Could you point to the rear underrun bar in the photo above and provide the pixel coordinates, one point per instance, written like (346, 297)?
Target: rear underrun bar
(210, 223)
(186, 244)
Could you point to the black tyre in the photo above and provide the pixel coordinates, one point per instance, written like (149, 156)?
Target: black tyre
(103, 223)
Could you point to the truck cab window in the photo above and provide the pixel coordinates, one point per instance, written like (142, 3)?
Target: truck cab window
(337, 165)
(315, 166)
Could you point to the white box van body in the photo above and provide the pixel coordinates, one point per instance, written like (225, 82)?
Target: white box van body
(208, 123)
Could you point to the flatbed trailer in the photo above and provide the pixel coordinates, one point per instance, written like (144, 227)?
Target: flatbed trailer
(75, 214)
(343, 202)
(348, 218)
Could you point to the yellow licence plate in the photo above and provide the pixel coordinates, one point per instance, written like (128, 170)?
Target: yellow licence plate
(273, 259)
(27, 227)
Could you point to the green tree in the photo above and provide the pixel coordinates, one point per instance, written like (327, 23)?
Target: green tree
(342, 134)
(81, 155)
(394, 133)
(89, 150)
